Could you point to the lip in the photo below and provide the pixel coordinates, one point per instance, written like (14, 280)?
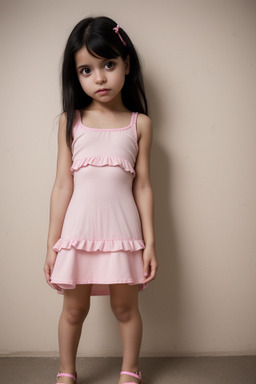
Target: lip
(103, 91)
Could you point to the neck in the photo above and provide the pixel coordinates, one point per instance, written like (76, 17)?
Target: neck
(113, 105)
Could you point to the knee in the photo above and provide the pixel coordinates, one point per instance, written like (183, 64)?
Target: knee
(122, 312)
(76, 315)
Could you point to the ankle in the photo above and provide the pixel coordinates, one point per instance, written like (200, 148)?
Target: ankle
(68, 369)
(131, 375)
(66, 377)
(133, 369)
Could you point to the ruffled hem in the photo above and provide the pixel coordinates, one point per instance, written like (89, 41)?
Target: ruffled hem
(101, 161)
(100, 269)
(98, 289)
(100, 245)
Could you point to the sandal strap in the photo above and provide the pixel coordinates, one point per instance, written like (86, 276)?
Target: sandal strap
(60, 374)
(137, 375)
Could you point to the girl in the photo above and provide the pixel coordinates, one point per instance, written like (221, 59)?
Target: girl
(101, 236)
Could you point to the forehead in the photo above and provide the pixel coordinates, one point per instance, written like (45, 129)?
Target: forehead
(84, 57)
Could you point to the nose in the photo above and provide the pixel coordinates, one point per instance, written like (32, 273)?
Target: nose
(100, 77)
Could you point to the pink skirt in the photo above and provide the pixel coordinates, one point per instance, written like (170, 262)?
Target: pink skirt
(101, 269)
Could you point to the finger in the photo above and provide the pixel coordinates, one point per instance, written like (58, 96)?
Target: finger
(150, 278)
(54, 286)
(152, 275)
(146, 268)
(48, 273)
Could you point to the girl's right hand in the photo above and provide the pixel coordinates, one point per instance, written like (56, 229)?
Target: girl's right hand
(48, 267)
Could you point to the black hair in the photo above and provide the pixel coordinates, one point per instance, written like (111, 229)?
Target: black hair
(99, 38)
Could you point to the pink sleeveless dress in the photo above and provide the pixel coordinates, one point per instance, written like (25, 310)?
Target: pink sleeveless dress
(101, 241)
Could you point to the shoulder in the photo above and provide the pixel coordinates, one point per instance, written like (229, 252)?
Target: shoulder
(144, 126)
(64, 177)
(62, 122)
(62, 131)
(63, 119)
(143, 120)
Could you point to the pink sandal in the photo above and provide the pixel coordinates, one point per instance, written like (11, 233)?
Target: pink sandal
(60, 374)
(137, 375)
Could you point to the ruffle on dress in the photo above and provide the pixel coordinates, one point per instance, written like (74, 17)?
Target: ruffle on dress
(101, 269)
(100, 245)
(101, 161)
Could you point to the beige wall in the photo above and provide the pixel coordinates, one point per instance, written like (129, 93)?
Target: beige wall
(200, 70)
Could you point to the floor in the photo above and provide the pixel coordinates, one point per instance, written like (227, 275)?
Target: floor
(165, 370)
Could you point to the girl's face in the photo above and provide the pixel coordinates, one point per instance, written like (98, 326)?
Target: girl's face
(101, 79)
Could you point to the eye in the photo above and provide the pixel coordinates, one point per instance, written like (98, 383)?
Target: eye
(110, 65)
(86, 71)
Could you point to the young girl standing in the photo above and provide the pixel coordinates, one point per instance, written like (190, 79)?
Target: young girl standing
(101, 235)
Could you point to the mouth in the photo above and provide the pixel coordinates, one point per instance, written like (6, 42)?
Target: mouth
(103, 91)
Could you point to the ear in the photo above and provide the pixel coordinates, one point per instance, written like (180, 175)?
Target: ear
(127, 65)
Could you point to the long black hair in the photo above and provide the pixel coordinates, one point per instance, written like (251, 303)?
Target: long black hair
(99, 38)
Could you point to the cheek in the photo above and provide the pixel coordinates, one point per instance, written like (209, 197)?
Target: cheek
(120, 78)
(85, 84)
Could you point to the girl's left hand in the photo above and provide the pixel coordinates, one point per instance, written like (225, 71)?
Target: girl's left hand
(150, 263)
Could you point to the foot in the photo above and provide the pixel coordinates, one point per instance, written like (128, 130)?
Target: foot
(127, 377)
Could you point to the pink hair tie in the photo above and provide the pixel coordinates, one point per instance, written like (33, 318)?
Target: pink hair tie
(116, 29)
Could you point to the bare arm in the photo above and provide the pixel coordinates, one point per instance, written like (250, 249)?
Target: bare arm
(60, 197)
(143, 195)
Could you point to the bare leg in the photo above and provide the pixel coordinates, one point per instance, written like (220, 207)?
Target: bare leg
(124, 303)
(76, 306)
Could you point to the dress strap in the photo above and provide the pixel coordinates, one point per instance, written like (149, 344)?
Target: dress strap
(78, 116)
(134, 118)
(76, 122)
(134, 125)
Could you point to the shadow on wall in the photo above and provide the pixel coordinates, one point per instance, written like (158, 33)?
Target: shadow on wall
(161, 301)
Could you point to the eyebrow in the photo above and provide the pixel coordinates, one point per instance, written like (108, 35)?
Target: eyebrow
(83, 66)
